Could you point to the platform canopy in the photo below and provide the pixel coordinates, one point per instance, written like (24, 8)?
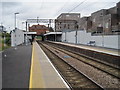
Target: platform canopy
(52, 33)
(30, 33)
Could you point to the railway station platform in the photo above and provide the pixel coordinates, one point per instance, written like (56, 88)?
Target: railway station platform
(93, 48)
(43, 73)
(16, 62)
(29, 67)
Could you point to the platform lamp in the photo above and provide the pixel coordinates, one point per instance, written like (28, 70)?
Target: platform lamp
(15, 19)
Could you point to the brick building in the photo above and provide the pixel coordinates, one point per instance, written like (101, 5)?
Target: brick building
(85, 23)
(118, 12)
(67, 21)
(40, 29)
(106, 21)
(97, 19)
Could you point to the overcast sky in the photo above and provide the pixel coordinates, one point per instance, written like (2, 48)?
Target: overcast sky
(47, 9)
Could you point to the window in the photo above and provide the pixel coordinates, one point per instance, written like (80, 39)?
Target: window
(65, 26)
(68, 26)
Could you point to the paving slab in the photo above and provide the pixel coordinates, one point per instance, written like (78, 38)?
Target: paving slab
(43, 73)
(16, 64)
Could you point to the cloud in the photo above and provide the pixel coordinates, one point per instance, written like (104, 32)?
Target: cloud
(59, 0)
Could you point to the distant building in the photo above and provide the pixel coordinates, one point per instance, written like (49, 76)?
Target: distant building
(98, 20)
(40, 29)
(67, 21)
(85, 23)
(106, 21)
(19, 37)
(118, 12)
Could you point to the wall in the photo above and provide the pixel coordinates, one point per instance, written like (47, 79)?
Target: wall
(109, 41)
(17, 37)
(83, 37)
(69, 37)
(65, 24)
(112, 10)
(85, 23)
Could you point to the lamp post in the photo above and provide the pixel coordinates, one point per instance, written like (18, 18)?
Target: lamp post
(38, 20)
(15, 19)
(26, 33)
(103, 32)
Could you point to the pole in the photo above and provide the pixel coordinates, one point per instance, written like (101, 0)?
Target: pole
(55, 30)
(37, 20)
(103, 33)
(26, 34)
(76, 36)
(15, 20)
(4, 40)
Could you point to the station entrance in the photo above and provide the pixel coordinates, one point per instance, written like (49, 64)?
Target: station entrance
(40, 23)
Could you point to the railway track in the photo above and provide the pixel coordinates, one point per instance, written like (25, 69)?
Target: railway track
(113, 81)
(113, 71)
(104, 58)
(72, 76)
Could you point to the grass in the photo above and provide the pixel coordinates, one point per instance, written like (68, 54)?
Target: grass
(38, 38)
(2, 46)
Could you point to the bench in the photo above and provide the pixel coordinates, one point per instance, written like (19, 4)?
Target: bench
(91, 43)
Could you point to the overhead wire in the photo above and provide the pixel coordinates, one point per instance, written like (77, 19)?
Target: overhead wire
(77, 6)
(62, 6)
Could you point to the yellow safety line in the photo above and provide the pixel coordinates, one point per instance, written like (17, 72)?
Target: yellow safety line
(30, 83)
(36, 78)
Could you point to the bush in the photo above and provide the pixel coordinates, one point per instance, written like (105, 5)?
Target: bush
(8, 40)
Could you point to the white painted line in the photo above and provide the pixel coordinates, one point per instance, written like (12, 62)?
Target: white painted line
(54, 68)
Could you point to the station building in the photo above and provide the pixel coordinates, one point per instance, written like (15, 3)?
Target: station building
(39, 29)
(19, 37)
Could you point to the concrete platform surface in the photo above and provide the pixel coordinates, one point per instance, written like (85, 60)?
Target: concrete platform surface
(94, 48)
(43, 73)
(16, 67)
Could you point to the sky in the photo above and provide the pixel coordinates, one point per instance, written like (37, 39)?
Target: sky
(44, 9)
